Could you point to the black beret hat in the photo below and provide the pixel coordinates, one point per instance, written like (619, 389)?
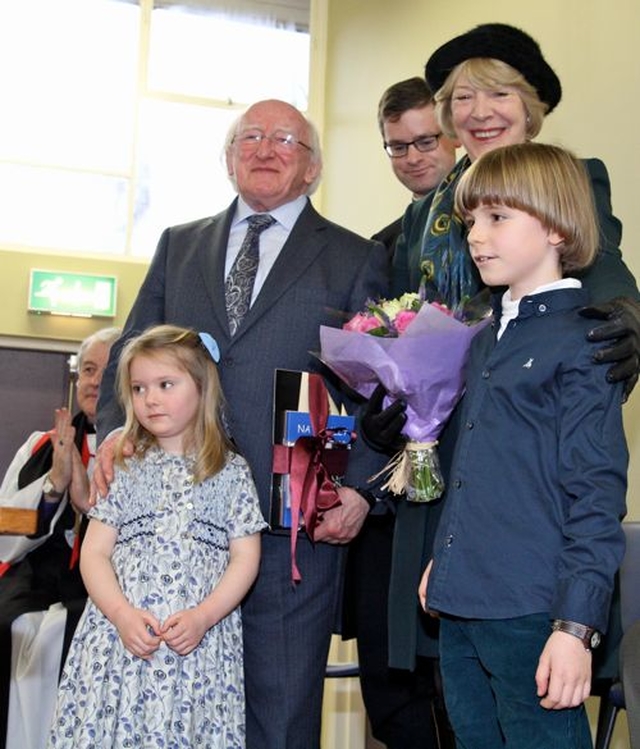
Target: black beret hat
(500, 42)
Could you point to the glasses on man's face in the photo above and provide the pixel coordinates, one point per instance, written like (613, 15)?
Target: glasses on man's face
(250, 140)
(424, 144)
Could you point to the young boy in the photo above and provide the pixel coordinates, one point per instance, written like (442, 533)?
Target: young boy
(530, 537)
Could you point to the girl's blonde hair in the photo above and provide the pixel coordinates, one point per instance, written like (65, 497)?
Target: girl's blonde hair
(488, 74)
(546, 182)
(208, 442)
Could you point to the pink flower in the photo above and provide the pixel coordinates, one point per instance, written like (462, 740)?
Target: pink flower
(403, 319)
(362, 323)
(442, 308)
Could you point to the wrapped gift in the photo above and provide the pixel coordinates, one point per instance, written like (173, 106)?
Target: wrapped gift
(312, 439)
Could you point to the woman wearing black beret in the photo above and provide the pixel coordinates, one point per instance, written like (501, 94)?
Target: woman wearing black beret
(494, 88)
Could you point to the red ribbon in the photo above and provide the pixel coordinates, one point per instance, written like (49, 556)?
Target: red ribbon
(312, 489)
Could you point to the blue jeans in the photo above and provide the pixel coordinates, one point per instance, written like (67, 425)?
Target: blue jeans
(488, 672)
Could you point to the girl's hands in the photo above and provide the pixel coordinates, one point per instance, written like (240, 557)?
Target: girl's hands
(139, 631)
(184, 630)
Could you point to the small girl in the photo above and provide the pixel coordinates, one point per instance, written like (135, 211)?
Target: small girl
(167, 559)
(530, 537)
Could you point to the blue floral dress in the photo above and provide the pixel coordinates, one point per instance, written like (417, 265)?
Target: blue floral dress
(172, 549)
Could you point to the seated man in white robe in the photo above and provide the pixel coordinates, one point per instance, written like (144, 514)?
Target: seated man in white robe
(41, 591)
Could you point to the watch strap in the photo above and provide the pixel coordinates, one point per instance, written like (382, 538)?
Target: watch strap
(589, 636)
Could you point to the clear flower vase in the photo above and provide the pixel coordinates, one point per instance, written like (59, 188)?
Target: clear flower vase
(425, 482)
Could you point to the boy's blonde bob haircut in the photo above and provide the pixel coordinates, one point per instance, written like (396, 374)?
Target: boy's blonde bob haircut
(208, 443)
(546, 182)
(488, 74)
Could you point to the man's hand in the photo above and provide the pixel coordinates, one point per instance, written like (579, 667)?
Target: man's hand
(382, 428)
(563, 677)
(343, 523)
(621, 329)
(103, 467)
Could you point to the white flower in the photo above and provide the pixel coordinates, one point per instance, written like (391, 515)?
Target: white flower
(391, 307)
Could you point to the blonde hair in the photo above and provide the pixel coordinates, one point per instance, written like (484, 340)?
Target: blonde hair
(547, 182)
(208, 442)
(487, 74)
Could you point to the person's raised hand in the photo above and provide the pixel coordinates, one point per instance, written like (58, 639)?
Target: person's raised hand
(620, 329)
(381, 428)
(63, 445)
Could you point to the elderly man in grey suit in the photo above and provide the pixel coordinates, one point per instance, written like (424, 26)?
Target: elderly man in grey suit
(310, 273)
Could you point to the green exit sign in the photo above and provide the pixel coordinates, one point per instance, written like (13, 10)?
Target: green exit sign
(75, 294)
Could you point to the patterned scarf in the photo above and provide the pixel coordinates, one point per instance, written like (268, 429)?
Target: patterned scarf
(448, 273)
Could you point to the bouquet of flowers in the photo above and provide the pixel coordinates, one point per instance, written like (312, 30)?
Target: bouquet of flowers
(417, 350)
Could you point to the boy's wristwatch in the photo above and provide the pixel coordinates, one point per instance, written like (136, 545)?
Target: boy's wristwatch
(589, 636)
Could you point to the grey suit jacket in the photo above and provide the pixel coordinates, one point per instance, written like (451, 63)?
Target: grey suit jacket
(322, 272)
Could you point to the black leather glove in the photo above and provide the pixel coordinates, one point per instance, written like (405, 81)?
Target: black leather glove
(621, 330)
(381, 428)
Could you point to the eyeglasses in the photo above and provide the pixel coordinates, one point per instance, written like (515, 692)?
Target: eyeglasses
(424, 144)
(282, 141)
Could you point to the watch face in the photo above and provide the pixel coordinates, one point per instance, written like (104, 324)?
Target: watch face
(49, 488)
(595, 640)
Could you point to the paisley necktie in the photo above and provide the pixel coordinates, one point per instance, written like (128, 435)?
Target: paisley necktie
(239, 283)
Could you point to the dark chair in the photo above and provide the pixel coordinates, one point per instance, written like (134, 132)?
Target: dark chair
(613, 701)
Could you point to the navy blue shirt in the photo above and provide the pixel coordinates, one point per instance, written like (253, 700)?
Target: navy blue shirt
(531, 521)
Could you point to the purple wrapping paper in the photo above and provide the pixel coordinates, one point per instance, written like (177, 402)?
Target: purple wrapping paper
(424, 366)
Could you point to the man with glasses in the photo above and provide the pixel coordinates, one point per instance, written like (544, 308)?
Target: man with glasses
(300, 271)
(419, 154)
(399, 703)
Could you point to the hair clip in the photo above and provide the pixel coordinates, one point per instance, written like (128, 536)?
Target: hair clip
(210, 344)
